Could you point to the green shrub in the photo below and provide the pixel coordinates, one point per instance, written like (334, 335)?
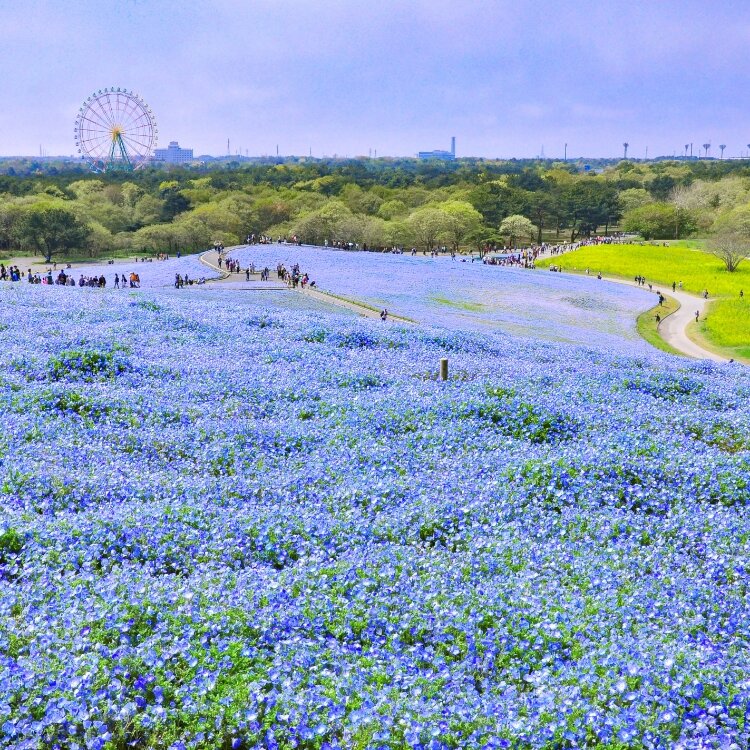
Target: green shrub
(87, 365)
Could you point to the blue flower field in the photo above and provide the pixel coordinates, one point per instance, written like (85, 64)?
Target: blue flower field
(243, 520)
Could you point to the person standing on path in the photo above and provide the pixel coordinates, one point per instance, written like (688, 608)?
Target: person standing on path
(697, 314)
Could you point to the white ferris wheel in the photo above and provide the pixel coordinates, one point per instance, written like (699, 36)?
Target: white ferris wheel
(115, 129)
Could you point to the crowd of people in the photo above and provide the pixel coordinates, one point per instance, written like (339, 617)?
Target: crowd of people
(265, 273)
(181, 281)
(526, 258)
(264, 239)
(11, 273)
(231, 265)
(53, 277)
(65, 279)
(523, 258)
(566, 247)
(259, 239)
(295, 277)
(159, 256)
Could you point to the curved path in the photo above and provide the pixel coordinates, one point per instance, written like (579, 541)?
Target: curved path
(239, 280)
(211, 259)
(673, 328)
(367, 312)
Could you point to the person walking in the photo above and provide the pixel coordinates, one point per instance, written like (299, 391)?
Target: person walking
(697, 314)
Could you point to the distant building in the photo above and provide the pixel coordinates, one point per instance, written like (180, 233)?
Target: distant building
(444, 155)
(173, 153)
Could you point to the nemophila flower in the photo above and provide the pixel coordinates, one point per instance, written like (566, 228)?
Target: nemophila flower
(256, 536)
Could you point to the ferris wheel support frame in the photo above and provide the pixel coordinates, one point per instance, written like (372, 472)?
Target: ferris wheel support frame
(118, 146)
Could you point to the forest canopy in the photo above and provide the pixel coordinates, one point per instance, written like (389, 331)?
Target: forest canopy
(380, 203)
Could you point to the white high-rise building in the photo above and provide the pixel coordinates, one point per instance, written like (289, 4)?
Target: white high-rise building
(173, 153)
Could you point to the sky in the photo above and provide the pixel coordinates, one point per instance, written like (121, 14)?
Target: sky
(354, 77)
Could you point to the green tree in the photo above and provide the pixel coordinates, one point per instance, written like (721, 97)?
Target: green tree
(496, 200)
(157, 238)
(52, 231)
(96, 201)
(310, 228)
(397, 233)
(589, 204)
(174, 202)
(147, 210)
(100, 240)
(11, 213)
(217, 218)
(427, 225)
(516, 227)
(391, 209)
(360, 201)
(659, 221)
(542, 208)
(272, 210)
(634, 198)
(461, 219)
(661, 187)
(196, 233)
(131, 193)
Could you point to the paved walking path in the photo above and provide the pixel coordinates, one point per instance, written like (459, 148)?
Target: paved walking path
(211, 259)
(366, 312)
(239, 280)
(673, 329)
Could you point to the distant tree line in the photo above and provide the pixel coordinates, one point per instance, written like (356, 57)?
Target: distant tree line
(55, 209)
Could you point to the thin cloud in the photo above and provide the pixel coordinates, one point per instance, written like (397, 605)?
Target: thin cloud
(397, 75)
